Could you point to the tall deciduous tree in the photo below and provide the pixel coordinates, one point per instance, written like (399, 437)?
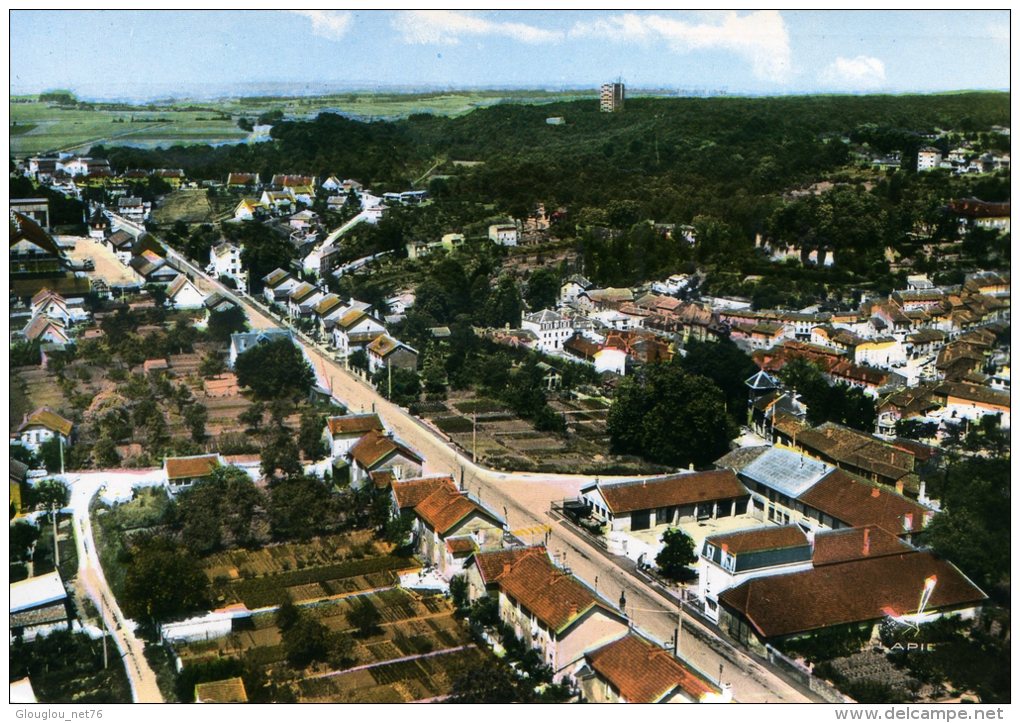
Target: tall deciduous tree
(677, 554)
(163, 582)
(670, 417)
(274, 369)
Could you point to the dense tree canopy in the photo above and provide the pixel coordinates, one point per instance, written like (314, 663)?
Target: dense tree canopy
(274, 369)
(163, 582)
(670, 417)
(973, 530)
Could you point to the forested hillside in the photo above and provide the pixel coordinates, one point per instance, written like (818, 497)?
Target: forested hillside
(722, 165)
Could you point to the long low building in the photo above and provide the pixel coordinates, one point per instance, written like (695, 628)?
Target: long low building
(912, 588)
(38, 605)
(645, 504)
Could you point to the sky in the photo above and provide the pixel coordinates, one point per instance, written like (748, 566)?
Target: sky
(142, 54)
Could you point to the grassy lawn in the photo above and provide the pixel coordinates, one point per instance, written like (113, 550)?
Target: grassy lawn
(188, 205)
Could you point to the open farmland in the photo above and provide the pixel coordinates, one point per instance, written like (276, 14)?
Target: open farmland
(40, 127)
(55, 128)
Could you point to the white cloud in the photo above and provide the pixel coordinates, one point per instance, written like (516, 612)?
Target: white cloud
(329, 24)
(860, 73)
(759, 37)
(446, 27)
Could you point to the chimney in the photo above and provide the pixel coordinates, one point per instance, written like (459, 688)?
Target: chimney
(875, 492)
(866, 550)
(573, 610)
(506, 568)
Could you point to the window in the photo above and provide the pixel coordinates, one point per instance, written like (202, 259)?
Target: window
(709, 551)
(729, 561)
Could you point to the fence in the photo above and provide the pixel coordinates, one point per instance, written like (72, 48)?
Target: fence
(822, 688)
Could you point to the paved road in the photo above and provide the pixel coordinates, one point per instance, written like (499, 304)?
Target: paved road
(525, 499)
(84, 488)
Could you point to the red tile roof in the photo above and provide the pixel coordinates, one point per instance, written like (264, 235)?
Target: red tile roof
(383, 479)
(642, 672)
(461, 546)
(354, 424)
(855, 543)
(850, 592)
(555, 597)
(408, 493)
(493, 564)
(438, 503)
(675, 490)
(375, 447)
(858, 503)
(191, 467)
(760, 539)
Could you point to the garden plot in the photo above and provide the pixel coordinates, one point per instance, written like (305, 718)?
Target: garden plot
(423, 678)
(328, 567)
(416, 652)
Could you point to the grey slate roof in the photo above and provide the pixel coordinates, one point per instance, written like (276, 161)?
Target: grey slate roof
(786, 472)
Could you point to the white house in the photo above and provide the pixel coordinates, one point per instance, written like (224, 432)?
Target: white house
(41, 426)
(928, 158)
(504, 234)
(342, 433)
(279, 202)
(302, 299)
(333, 184)
(376, 452)
(277, 285)
(726, 560)
(240, 343)
(449, 525)
(225, 260)
(248, 209)
(356, 329)
(38, 606)
(120, 243)
(572, 287)
(183, 294)
(551, 329)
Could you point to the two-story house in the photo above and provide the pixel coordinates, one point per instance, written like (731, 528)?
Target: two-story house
(449, 525)
(556, 613)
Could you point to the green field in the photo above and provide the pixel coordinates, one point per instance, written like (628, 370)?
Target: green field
(40, 127)
(49, 127)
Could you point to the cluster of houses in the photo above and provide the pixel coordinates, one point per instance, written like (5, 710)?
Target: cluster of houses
(348, 325)
(71, 174)
(923, 334)
(961, 160)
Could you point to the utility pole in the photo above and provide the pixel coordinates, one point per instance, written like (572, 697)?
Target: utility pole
(56, 546)
(474, 436)
(679, 626)
(102, 617)
(389, 381)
